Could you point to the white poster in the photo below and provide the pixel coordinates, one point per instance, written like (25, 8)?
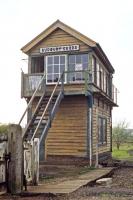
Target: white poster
(78, 67)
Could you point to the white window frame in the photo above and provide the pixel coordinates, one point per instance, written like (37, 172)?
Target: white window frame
(76, 73)
(65, 79)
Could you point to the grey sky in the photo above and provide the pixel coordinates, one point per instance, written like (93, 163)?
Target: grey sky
(109, 23)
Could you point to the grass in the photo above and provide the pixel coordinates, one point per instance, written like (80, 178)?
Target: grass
(123, 152)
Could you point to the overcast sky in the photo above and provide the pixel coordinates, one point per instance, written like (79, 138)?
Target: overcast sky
(108, 22)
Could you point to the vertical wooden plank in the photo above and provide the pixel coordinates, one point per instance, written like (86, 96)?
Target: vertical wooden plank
(97, 158)
(45, 149)
(22, 84)
(85, 75)
(29, 64)
(15, 165)
(35, 162)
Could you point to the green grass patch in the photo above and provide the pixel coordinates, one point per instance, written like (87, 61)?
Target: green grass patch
(123, 152)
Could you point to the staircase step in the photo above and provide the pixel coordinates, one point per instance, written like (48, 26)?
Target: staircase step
(38, 119)
(39, 111)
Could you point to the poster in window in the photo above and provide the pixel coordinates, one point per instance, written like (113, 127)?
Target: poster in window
(78, 67)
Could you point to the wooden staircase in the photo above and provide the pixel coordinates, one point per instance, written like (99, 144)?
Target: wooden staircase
(36, 117)
(44, 113)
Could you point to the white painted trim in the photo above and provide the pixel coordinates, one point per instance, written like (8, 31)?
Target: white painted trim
(66, 64)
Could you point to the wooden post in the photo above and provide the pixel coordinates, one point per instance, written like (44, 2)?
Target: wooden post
(15, 147)
(85, 74)
(35, 161)
(22, 84)
(97, 156)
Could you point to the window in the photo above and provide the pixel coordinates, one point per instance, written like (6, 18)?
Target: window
(104, 80)
(37, 64)
(101, 78)
(110, 85)
(77, 63)
(98, 75)
(102, 130)
(55, 65)
(94, 69)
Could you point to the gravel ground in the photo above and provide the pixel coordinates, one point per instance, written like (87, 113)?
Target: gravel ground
(123, 178)
(121, 189)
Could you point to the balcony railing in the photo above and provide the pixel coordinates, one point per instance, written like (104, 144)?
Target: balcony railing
(30, 83)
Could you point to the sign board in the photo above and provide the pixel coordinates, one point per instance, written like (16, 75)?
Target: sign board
(74, 47)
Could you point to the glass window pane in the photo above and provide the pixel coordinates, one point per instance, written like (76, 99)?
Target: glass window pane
(78, 58)
(62, 68)
(78, 76)
(49, 78)
(104, 130)
(56, 77)
(72, 59)
(71, 77)
(56, 68)
(85, 58)
(100, 129)
(50, 60)
(62, 59)
(50, 69)
(56, 59)
(85, 66)
(71, 67)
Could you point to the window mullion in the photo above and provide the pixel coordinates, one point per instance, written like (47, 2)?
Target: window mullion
(59, 67)
(102, 138)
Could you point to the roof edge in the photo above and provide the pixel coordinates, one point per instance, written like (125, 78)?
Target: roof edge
(53, 24)
(105, 58)
(50, 29)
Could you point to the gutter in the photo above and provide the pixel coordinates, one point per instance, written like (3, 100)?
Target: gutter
(90, 103)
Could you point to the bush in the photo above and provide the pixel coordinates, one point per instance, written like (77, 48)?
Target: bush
(4, 128)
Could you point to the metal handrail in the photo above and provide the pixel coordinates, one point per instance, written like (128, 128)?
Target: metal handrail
(61, 77)
(32, 98)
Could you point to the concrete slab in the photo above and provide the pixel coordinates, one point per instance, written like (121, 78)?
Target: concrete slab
(70, 185)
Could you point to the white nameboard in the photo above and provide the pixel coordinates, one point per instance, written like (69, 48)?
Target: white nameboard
(74, 47)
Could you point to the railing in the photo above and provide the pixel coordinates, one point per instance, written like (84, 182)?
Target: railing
(60, 83)
(3, 151)
(70, 77)
(33, 96)
(30, 83)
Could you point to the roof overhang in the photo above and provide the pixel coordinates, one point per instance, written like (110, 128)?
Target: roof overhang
(53, 27)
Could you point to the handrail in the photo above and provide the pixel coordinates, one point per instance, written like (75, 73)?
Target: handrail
(74, 71)
(27, 126)
(61, 77)
(32, 98)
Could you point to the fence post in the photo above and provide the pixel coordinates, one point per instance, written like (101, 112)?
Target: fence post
(35, 161)
(15, 147)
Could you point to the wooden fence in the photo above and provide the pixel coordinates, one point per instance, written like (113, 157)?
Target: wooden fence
(3, 160)
(18, 159)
